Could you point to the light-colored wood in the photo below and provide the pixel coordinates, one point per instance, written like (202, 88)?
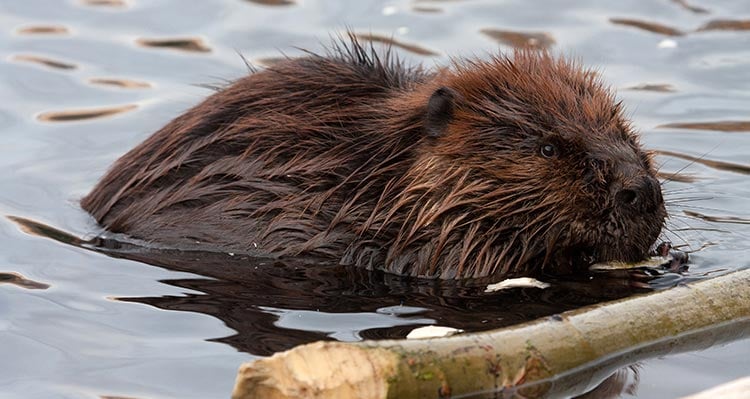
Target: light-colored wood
(563, 355)
(322, 369)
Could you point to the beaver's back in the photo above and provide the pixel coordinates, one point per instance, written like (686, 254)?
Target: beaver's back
(267, 164)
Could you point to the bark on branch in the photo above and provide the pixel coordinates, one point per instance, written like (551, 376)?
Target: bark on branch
(565, 354)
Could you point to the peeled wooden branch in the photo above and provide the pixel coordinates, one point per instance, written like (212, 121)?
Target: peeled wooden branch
(564, 354)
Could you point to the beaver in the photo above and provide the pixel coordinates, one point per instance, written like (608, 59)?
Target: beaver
(516, 164)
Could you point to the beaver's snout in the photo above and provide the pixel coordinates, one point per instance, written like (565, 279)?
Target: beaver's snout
(641, 195)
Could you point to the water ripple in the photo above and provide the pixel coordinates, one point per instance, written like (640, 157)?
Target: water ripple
(84, 114)
(656, 87)
(44, 61)
(121, 83)
(21, 281)
(532, 40)
(43, 30)
(718, 126)
(653, 27)
(193, 45)
(719, 165)
(726, 24)
(414, 48)
(272, 2)
(695, 9)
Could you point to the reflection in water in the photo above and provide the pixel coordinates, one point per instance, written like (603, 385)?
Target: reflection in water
(83, 114)
(274, 305)
(21, 281)
(623, 381)
(241, 288)
(45, 61)
(347, 326)
(121, 83)
(261, 299)
(389, 40)
(647, 26)
(532, 40)
(249, 294)
(719, 126)
(193, 45)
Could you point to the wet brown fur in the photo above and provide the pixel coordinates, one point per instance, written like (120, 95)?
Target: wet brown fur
(339, 156)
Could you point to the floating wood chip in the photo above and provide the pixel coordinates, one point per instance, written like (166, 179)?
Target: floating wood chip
(521, 282)
(432, 332)
(652, 262)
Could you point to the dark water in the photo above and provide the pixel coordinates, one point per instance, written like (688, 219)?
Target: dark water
(83, 81)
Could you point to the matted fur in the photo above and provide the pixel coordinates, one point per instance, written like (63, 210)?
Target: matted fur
(327, 156)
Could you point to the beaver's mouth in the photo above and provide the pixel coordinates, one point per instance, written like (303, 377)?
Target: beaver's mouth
(584, 256)
(572, 258)
(577, 252)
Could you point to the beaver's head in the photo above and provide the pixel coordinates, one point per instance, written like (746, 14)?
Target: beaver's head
(566, 181)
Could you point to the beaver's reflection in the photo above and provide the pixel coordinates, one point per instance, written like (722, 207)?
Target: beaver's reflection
(241, 290)
(249, 294)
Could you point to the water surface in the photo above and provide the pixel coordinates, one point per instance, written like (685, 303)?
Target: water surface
(84, 81)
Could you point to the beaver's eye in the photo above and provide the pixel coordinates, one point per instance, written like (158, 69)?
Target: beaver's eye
(548, 150)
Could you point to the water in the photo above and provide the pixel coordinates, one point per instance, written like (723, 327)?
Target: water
(83, 81)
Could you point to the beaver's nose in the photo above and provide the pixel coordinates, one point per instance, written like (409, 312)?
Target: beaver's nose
(643, 194)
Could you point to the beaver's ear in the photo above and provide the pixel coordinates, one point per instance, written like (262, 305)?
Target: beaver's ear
(439, 111)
